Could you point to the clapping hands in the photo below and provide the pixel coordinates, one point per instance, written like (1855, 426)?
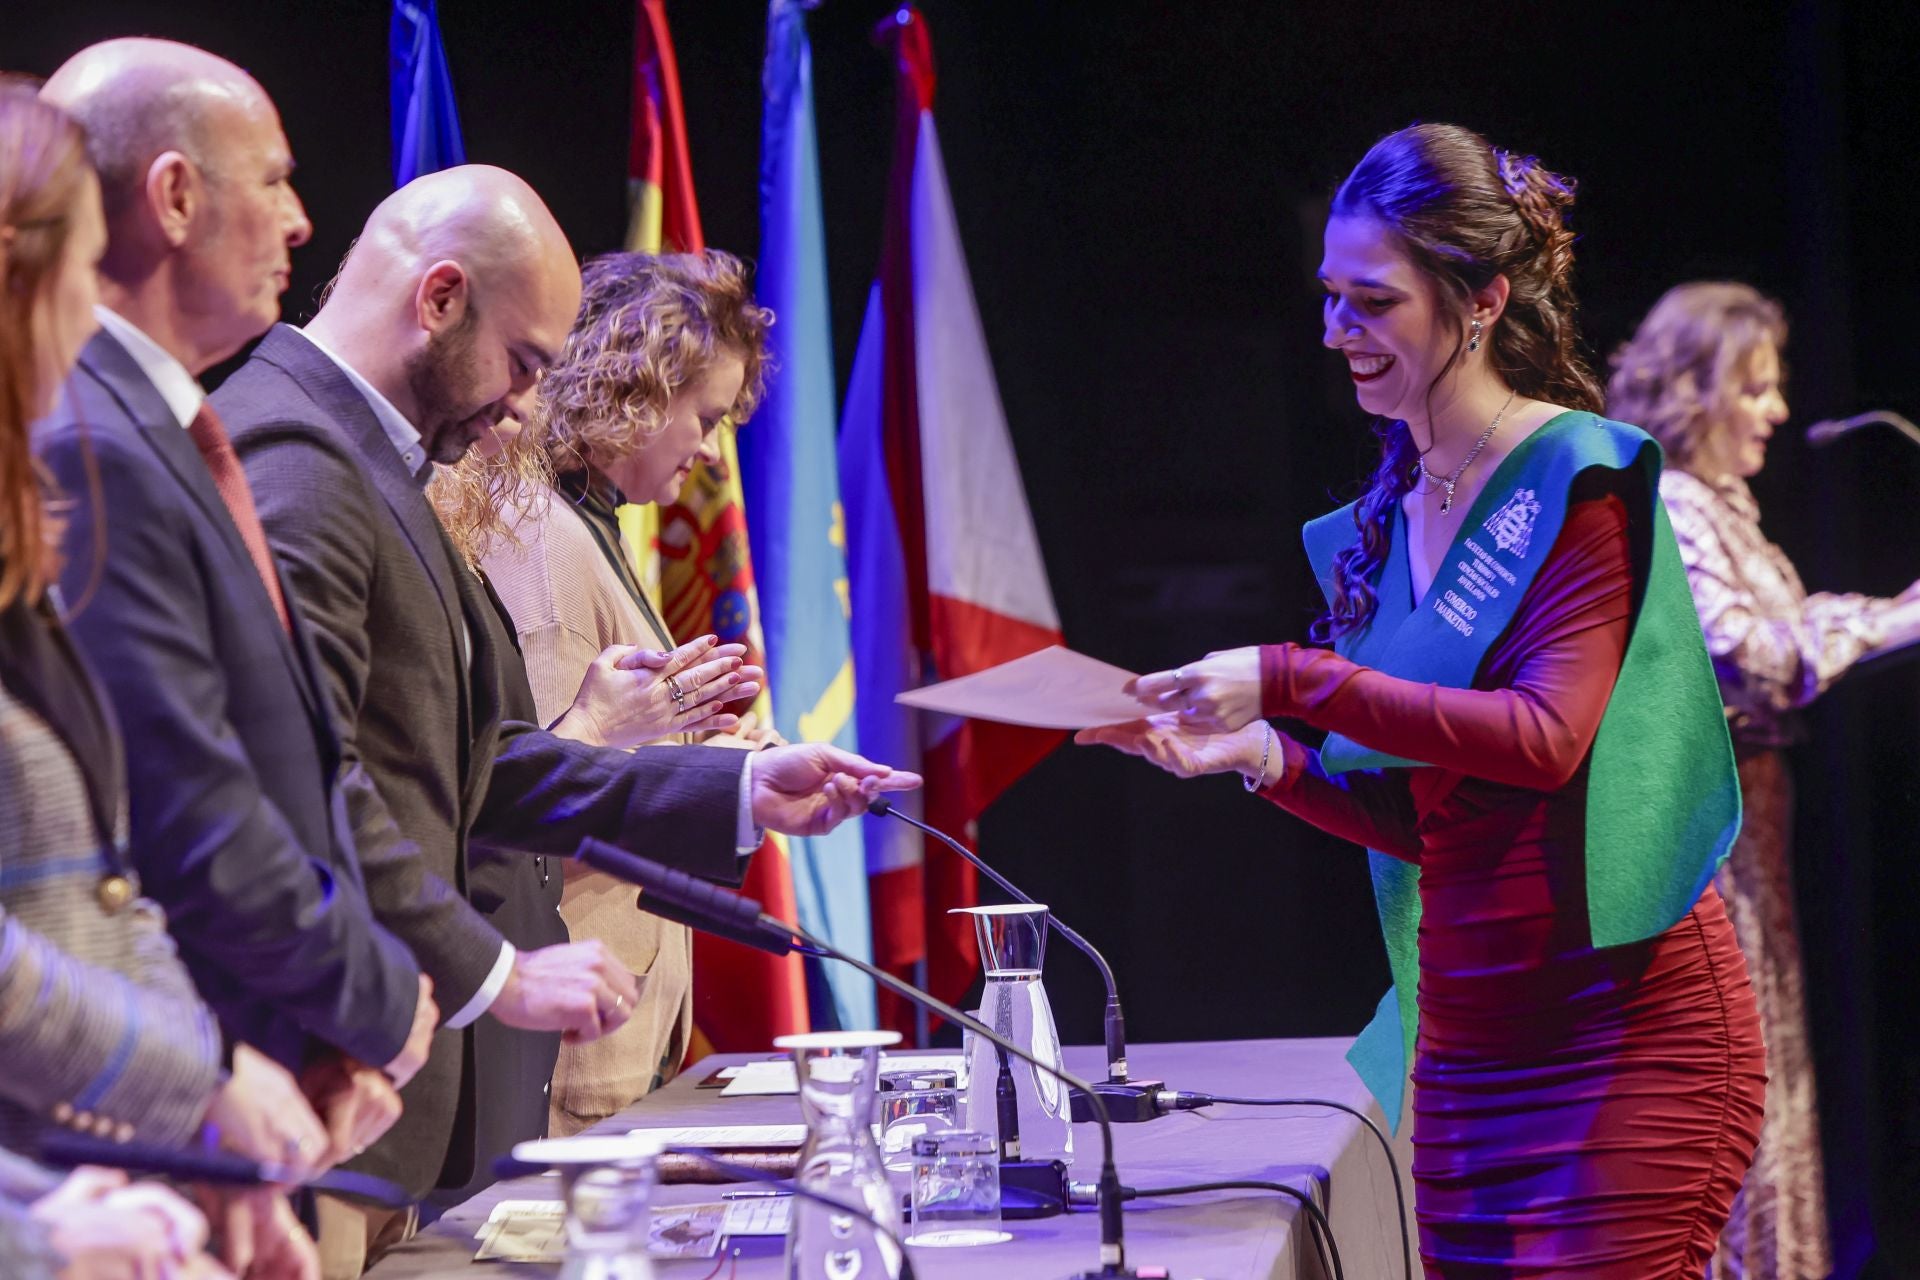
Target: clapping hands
(632, 696)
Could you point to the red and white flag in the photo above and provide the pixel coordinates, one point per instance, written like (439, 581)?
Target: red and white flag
(945, 569)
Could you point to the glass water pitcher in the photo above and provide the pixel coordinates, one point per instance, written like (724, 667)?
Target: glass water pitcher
(839, 1075)
(1013, 948)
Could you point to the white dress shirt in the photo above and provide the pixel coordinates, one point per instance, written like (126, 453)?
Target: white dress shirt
(180, 389)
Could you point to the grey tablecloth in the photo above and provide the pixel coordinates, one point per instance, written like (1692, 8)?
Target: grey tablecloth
(1232, 1235)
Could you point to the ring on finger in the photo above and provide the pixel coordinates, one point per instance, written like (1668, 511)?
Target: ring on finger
(679, 694)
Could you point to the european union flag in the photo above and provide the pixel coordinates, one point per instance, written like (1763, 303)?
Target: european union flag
(426, 128)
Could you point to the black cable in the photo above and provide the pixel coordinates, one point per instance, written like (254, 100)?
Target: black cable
(1321, 1229)
(1399, 1194)
(746, 1173)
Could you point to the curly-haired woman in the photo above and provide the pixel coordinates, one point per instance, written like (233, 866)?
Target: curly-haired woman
(667, 352)
(1523, 727)
(1702, 375)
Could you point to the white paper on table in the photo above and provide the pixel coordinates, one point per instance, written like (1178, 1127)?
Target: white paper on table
(759, 1216)
(725, 1137)
(928, 1061)
(1054, 688)
(523, 1231)
(755, 1079)
(685, 1230)
(765, 1079)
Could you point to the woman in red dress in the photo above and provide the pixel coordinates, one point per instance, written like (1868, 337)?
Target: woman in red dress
(1579, 1109)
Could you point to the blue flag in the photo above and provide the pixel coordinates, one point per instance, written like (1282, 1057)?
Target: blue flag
(426, 128)
(795, 523)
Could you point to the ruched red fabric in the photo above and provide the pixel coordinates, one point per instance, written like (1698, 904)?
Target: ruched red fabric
(1577, 1112)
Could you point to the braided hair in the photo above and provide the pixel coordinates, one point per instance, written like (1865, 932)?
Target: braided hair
(1464, 212)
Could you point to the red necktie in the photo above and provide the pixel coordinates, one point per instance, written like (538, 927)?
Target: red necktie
(216, 450)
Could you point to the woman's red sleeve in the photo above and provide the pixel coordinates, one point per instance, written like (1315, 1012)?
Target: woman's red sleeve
(1371, 807)
(1554, 668)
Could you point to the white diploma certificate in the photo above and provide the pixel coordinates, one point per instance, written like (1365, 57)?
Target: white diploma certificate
(1053, 688)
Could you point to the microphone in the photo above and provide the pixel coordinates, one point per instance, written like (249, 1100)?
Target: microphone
(1826, 432)
(729, 915)
(1128, 1101)
(688, 900)
(219, 1168)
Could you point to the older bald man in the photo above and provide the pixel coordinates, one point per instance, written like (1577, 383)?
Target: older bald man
(237, 819)
(457, 294)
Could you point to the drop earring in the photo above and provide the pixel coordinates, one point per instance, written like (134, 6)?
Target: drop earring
(1473, 343)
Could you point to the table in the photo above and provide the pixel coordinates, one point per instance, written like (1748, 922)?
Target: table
(1231, 1235)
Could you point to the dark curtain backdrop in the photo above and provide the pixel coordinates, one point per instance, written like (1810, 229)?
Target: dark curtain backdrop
(1139, 187)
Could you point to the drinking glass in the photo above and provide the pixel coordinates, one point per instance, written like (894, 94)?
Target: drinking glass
(956, 1189)
(905, 1114)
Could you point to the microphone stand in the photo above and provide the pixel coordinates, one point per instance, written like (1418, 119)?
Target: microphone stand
(1113, 1251)
(1821, 433)
(1128, 1101)
(675, 895)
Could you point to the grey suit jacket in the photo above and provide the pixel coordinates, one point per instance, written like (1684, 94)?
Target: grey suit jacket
(393, 611)
(238, 827)
(100, 1027)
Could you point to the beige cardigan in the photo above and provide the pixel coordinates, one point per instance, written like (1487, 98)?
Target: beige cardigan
(568, 604)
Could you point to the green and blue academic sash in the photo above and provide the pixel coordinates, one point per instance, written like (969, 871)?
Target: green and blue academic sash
(1663, 797)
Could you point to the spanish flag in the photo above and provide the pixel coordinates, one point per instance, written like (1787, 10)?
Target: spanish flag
(694, 555)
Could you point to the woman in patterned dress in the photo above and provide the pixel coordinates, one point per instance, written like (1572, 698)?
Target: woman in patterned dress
(1702, 375)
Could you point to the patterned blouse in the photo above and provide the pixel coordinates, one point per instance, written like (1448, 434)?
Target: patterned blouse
(1775, 648)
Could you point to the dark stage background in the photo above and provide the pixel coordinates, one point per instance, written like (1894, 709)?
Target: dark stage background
(1139, 188)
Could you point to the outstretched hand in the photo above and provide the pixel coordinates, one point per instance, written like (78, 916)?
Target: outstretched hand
(811, 788)
(1172, 742)
(1217, 694)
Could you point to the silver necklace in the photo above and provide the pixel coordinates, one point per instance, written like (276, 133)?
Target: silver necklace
(1449, 481)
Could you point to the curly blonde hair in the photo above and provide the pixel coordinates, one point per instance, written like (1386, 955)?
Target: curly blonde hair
(1676, 376)
(649, 325)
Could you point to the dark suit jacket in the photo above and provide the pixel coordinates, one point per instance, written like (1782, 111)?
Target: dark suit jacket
(511, 1068)
(237, 826)
(393, 609)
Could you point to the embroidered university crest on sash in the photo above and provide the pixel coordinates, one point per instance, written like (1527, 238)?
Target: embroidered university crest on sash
(1512, 524)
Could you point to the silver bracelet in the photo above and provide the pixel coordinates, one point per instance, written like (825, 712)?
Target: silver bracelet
(1266, 751)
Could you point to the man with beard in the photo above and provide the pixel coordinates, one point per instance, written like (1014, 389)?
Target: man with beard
(458, 293)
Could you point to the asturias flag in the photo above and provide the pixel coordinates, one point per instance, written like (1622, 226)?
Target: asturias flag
(945, 568)
(426, 128)
(793, 498)
(695, 555)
